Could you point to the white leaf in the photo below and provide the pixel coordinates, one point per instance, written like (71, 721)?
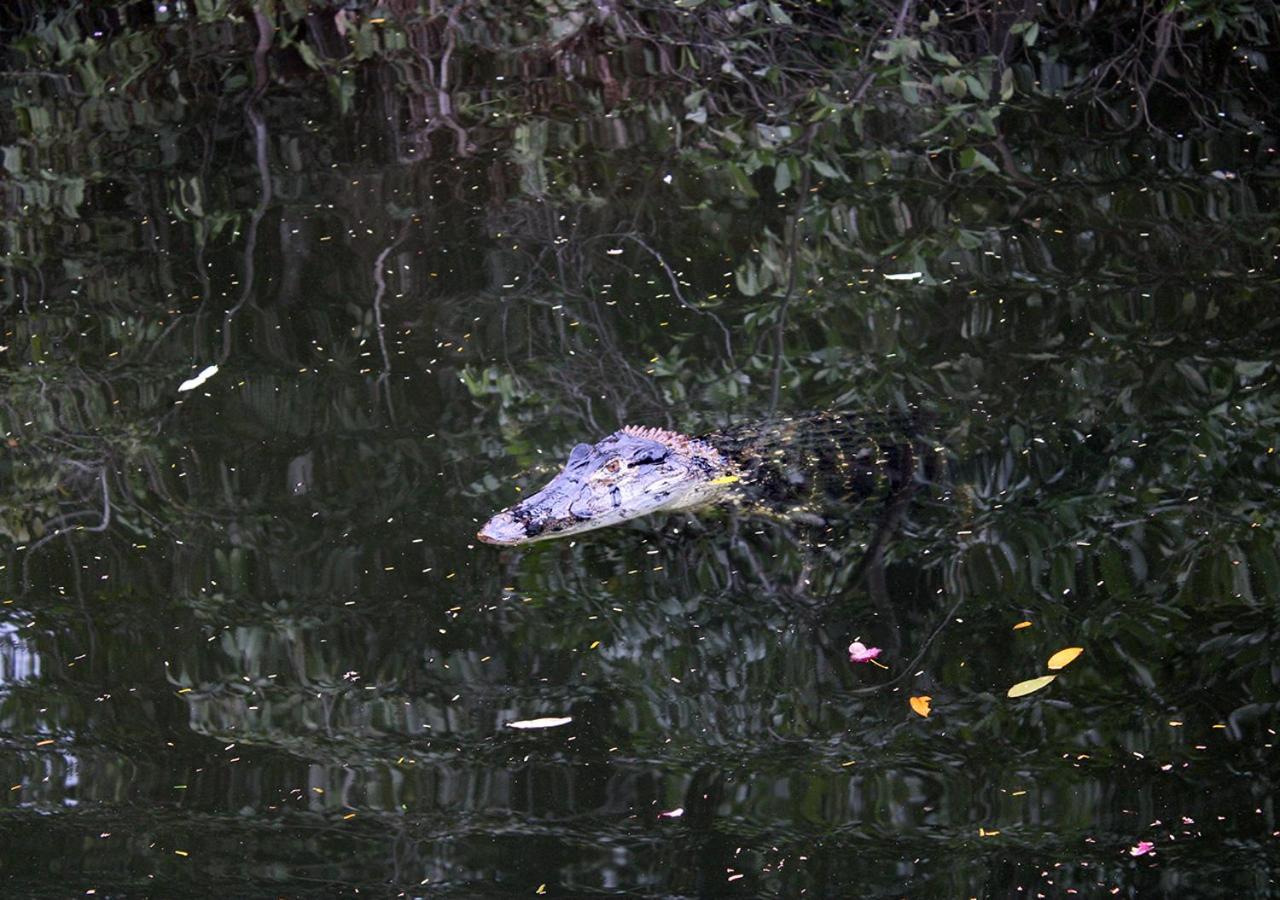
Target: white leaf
(904, 276)
(192, 383)
(551, 722)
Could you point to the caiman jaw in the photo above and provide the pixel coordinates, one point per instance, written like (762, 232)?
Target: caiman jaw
(503, 529)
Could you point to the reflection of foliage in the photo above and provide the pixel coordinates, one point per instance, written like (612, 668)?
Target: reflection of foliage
(419, 277)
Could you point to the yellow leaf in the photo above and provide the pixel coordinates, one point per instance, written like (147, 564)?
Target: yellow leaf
(921, 706)
(1064, 657)
(1021, 625)
(1022, 688)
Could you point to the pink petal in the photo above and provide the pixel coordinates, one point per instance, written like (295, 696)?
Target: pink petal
(672, 813)
(860, 652)
(1142, 849)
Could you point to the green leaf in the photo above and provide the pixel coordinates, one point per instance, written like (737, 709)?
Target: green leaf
(729, 135)
(12, 159)
(741, 180)
(942, 56)
(1029, 36)
(781, 177)
(971, 158)
(826, 170)
(889, 53)
(72, 197)
(1006, 84)
(976, 87)
(308, 55)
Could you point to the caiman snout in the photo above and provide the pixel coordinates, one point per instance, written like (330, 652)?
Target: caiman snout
(503, 529)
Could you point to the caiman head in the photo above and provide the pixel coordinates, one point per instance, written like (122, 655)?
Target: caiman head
(631, 473)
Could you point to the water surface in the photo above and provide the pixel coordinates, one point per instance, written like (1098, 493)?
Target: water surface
(250, 646)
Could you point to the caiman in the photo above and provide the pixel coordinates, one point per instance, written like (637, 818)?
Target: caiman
(792, 465)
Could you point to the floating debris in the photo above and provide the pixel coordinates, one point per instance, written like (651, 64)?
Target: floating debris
(1064, 657)
(192, 383)
(549, 722)
(861, 653)
(1022, 688)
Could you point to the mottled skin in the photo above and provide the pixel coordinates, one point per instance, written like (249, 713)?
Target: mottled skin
(789, 464)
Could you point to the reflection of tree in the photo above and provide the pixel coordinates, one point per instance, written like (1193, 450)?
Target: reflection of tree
(622, 248)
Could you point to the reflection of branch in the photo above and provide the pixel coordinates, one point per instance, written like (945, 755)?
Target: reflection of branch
(791, 289)
(380, 289)
(265, 29)
(675, 287)
(67, 529)
(898, 24)
(264, 177)
(924, 648)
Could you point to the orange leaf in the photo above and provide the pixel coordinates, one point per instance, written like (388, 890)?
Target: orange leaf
(1022, 688)
(1064, 657)
(1021, 625)
(921, 706)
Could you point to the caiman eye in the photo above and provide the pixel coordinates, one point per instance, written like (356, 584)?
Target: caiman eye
(613, 466)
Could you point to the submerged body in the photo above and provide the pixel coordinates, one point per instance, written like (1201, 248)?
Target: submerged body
(635, 472)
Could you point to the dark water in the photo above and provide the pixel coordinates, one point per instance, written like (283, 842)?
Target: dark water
(250, 647)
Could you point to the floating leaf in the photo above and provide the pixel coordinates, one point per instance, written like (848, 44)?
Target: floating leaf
(192, 383)
(550, 722)
(920, 705)
(1022, 688)
(672, 813)
(1142, 848)
(904, 276)
(1064, 658)
(1021, 625)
